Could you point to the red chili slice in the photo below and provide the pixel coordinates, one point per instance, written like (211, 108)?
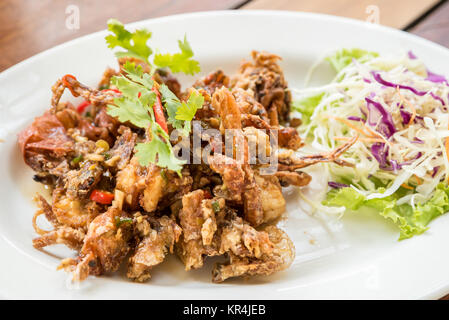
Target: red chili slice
(158, 111)
(82, 106)
(102, 197)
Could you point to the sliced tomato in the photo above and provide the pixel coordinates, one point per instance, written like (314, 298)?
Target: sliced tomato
(102, 197)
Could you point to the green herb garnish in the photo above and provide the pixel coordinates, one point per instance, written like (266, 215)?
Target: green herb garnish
(77, 159)
(179, 62)
(137, 109)
(138, 97)
(134, 44)
(216, 206)
(164, 175)
(107, 155)
(121, 220)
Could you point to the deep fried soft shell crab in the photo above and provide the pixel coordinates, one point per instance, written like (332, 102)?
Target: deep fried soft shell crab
(112, 210)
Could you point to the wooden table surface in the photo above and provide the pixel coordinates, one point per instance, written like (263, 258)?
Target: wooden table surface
(30, 26)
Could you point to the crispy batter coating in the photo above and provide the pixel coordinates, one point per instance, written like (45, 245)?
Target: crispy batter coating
(104, 248)
(222, 206)
(280, 257)
(157, 242)
(265, 78)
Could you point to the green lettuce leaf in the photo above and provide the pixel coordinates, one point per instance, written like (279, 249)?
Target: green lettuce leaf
(306, 106)
(343, 57)
(409, 221)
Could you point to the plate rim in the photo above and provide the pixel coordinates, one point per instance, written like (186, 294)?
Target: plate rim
(437, 292)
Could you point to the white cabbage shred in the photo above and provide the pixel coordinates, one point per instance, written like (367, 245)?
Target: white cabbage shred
(418, 147)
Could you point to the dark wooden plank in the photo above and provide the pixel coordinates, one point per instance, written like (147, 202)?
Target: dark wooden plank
(435, 26)
(29, 26)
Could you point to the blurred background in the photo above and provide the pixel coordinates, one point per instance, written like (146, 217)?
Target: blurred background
(30, 26)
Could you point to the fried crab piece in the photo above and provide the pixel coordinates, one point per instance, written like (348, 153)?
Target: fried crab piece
(72, 238)
(280, 257)
(232, 175)
(149, 186)
(131, 180)
(248, 104)
(45, 145)
(159, 237)
(102, 127)
(288, 137)
(271, 197)
(106, 78)
(212, 81)
(294, 178)
(120, 154)
(167, 78)
(197, 220)
(94, 96)
(73, 212)
(265, 78)
(239, 238)
(80, 182)
(210, 229)
(252, 204)
(230, 117)
(289, 162)
(105, 246)
(154, 190)
(207, 86)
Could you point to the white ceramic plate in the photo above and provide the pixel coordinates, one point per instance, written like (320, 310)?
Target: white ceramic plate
(357, 257)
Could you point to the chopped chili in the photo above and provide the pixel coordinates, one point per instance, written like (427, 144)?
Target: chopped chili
(82, 106)
(102, 197)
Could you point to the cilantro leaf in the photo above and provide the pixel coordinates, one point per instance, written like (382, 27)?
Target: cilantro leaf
(180, 114)
(135, 44)
(171, 104)
(136, 74)
(130, 110)
(130, 107)
(187, 110)
(159, 152)
(135, 105)
(179, 62)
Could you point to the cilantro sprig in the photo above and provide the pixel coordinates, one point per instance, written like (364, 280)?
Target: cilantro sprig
(179, 62)
(180, 113)
(135, 105)
(134, 44)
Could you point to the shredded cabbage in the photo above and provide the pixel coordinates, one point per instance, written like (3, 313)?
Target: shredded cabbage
(399, 110)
